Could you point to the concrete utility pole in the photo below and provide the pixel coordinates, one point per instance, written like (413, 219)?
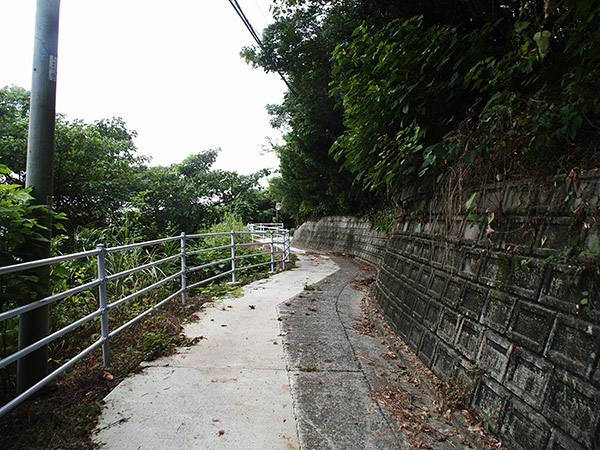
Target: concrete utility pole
(33, 325)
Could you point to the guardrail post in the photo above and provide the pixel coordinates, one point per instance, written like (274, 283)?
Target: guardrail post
(283, 249)
(183, 270)
(272, 253)
(103, 305)
(232, 256)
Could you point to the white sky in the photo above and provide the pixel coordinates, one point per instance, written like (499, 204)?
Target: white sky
(170, 69)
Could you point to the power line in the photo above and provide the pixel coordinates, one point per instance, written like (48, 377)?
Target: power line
(250, 28)
(240, 13)
(260, 10)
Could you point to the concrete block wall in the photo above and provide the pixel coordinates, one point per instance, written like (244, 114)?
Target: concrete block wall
(345, 235)
(486, 305)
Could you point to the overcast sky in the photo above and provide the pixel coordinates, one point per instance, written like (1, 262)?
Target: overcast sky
(171, 70)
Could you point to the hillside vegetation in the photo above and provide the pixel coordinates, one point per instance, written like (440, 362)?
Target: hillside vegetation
(421, 94)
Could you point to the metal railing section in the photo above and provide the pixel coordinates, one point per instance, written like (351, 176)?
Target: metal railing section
(282, 236)
(266, 239)
(258, 230)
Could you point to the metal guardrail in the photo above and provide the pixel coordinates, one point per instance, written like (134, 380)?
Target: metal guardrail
(275, 238)
(258, 231)
(265, 226)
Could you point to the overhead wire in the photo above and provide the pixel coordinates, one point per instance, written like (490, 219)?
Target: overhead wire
(242, 16)
(240, 13)
(260, 10)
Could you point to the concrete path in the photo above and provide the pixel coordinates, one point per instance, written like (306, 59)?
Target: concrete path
(294, 363)
(229, 391)
(334, 369)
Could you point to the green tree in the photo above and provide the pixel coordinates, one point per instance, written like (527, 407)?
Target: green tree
(421, 90)
(255, 205)
(100, 183)
(403, 89)
(189, 196)
(96, 170)
(299, 44)
(95, 166)
(14, 122)
(167, 203)
(510, 91)
(19, 229)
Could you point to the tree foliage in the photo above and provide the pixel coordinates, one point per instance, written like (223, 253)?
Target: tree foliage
(299, 43)
(405, 93)
(95, 166)
(517, 92)
(96, 170)
(188, 196)
(20, 230)
(14, 121)
(402, 93)
(100, 182)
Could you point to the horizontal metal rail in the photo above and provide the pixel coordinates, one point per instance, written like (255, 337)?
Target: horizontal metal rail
(213, 278)
(44, 381)
(17, 355)
(144, 314)
(248, 244)
(45, 262)
(257, 265)
(141, 244)
(142, 291)
(48, 300)
(204, 250)
(140, 268)
(201, 235)
(210, 264)
(252, 255)
(270, 235)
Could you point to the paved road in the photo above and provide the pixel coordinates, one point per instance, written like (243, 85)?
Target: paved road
(334, 368)
(288, 365)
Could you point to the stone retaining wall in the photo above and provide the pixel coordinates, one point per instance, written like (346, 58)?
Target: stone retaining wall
(345, 235)
(495, 306)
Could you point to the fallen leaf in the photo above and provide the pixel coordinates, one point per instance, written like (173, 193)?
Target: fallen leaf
(107, 376)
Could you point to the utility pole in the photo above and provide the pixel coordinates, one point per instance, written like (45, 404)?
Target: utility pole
(33, 325)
